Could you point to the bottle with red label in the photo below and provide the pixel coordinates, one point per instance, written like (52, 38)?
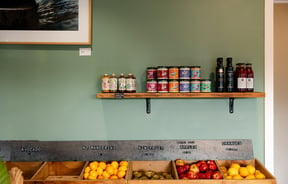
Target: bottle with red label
(241, 75)
(105, 83)
(250, 77)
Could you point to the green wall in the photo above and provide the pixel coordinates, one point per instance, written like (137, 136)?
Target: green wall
(47, 92)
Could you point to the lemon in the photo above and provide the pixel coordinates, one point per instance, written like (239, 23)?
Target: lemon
(232, 171)
(235, 165)
(250, 176)
(243, 171)
(228, 177)
(251, 169)
(260, 176)
(237, 177)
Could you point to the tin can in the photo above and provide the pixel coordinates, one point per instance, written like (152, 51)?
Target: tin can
(184, 86)
(195, 72)
(195, 85)
(205, 85)
(105, 83)
(184, 72)
(151, 86)
(173, 72)
(162, 86)
(162, 72)
(151, 73)
(173, 86)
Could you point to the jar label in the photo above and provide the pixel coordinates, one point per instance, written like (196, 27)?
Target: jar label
(185, 86)
(121, 84)
(250, 83)
(105, 84)
(195, 73)
(151, 87)
(195, 86)
(113, 84)
(174, 87)
(130, 84)
(184, 73)
(241, 83)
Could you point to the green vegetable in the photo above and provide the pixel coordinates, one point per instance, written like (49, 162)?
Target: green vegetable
(4, 175)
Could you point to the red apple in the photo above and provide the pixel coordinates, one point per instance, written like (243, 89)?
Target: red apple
(201, 176)
(179, 162)
(210, 162)
(192, 175)
(194, 168)
(200, 162)
(217, 175)
(203, 167)
(183, 176)
(212, 167)
(187, 167)
(208, 174)
(181, 170)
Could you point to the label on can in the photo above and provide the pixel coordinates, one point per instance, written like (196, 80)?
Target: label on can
(205, 86)
(173, 72)
(162, 72)
(151, 73)
(195, 85)
(184, 86)
(173, 86)
(151, 86)
(195, 72)
(184, 72)
(162, 86)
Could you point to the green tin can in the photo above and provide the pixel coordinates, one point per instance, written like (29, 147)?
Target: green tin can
(205, 85)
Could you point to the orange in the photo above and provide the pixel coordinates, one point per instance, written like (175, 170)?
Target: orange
(86, 175)
(250, 176)
(106, 175)
(93, 165)
(122, 168)
(110, 170)
(87, 169)
(114, 164)
(237, 177)
(251, 169)
(243, 171)
(102, 164)
(92, 178)
(113, 177)
(121, 174)
(123, 163)
(99, 171)
(93, 173)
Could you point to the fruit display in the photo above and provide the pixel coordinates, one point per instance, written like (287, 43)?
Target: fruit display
(151, 175)
(203, 169)
(106, 170)
(240, 171)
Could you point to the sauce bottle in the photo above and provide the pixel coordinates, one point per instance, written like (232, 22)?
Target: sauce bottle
(105, 83)
(250, 77)
(241, 78)
(229, 75)
(121, 83)
(130, 83)
(220, 75)
(113, 83)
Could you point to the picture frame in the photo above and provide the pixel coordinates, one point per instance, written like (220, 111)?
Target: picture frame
(81, 36)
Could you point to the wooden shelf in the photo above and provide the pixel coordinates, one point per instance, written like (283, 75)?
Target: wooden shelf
(183, 95)
(230, 95)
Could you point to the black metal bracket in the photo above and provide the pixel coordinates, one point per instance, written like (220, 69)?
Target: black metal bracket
(231, 105)
(148, 105)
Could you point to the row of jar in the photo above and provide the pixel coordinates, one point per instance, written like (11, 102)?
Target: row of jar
(121, 84)
(176, 86)
(173, 72)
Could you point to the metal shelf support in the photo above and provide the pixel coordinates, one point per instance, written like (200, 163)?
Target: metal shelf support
(148, 105)
(231, 105)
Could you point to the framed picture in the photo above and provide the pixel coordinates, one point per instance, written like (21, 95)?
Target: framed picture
(46, 22)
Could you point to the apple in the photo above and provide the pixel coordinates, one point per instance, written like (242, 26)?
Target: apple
(179, 162)
(201, 176)
(203, 167)
(212, 167)
(187, 167)
(200, 162)
(217, 175)
(208, 174)
(194, 168)
(181, 170)
(192, 175)
(183, 176)
(210, 162)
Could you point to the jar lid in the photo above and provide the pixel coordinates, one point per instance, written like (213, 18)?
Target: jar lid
(184, 67)
(195, 67)
(173, 66)
(151, 68)
(162, 67)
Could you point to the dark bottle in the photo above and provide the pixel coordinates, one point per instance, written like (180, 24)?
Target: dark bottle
(241, 78)
(130, 83)
(250, 77)
(121, 83)
(229, 74)
(220, 75)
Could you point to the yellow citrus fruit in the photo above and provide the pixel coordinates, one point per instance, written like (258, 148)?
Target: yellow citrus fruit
(251, 169)
(113, 177)
(237, 177)
(99, 170)
(86, 175)
(114, 164)
(110, 170)
(115, 171)
(100, 177)
(123, 163)
(102, 164)
(106, 175)
(93, 173)
(250, 177)
(243, 171)
(121, 174)
(123, 168)
(92, 178)
(232, 171)
(260, 176)
(87, 169)
(235, 165)
(228, 177)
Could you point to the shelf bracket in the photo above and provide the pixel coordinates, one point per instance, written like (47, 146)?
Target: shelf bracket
(231, 105)
(148, 105)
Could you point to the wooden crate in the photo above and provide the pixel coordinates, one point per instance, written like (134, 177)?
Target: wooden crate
(28, 168)
(156, 166)
(270, 179)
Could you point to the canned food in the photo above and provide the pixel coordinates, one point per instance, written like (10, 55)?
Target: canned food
(205, 85)
(173, 86)
(184, 72)
(151, 86)
(195, 85)
(162, 72)
(173, 72)
(162, 86)
(151, 73)
(184, 86)
(195, 72)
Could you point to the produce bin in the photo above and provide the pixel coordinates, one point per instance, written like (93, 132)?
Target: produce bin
(28, 168)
